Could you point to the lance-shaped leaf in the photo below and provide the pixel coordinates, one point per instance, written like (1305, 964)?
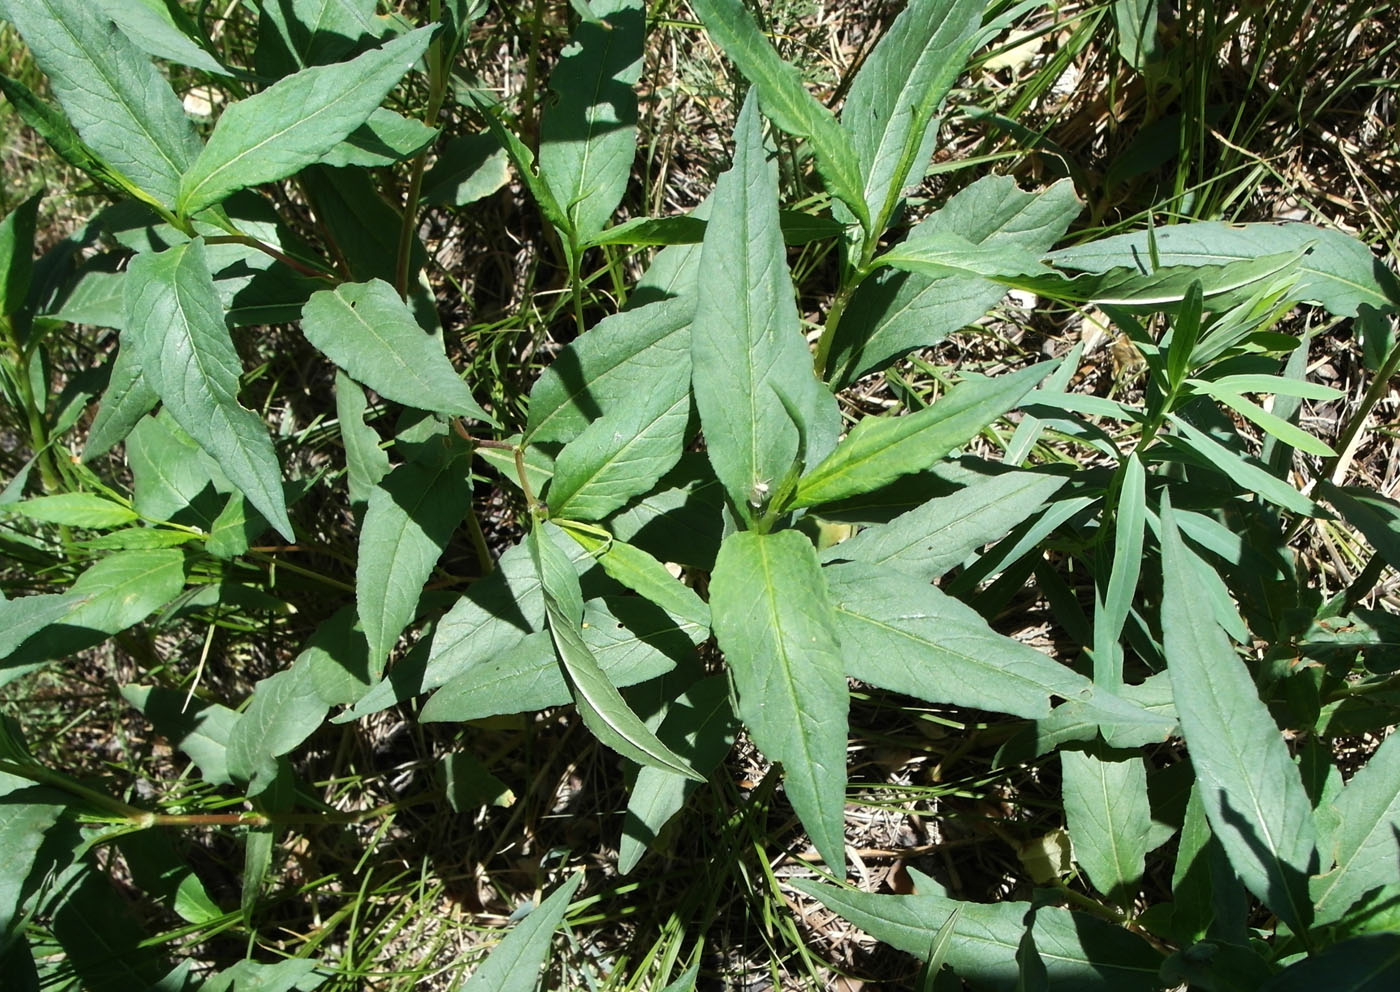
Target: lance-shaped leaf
(902, 634)
(752, 372)
(1366, 845)
(410, 518)
(1253, 794)
(1079, 952)
(187, 357)
(152, 28)
(514, 966)
(297, 33)
(1108, 817)
(1139, 285)
(366, 462)
(367, 330)
(285, 710)
(931, 538)
(116, 98)
(646, 576)
(1339, 271)
(602, 707)
(127, 398)
(890, 109)
(775, 623)
(588, 135)
(381, 141)
(469, 167)
(17, 254)
(893, 312)
(1113, 609)
(945, 253)
(786, 101)
(25, 814)
(881, 449)
(635, 352)
(295, 121)
(1239, 469)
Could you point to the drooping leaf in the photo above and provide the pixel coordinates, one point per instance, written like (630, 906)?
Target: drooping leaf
(1253, 795)
(890, 109)
(1108, 817)
(786, 101)
(1079, 952)
(514, 965)
(116, 98)
(602, 707)
(410, 518)
(295, 121)
(1339, 272)
(588, 134)
(902, 634)
(893, 312)
(751, 363)
(384, 139)
(470, 167)
(879, 450)
(775, 623)
(1366, 844)
(187, 357)
(930, 539)
(646, 576)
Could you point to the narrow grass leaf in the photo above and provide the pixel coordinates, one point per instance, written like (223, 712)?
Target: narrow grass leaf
(930, 539)
(187, 357)
(1079, 952)
(1339, 271)
(368, 330)
(1108, 817)
(602, 707)
(776, 626)
(786, 101)
(620, 361)
(746, 344)
(295, 121)
(902, 634)
(116, 98)
(1254, 797)
(891, 107)
(411, 516)
(514, 965)
(1366, 844)
(879, 450)
(588, 135)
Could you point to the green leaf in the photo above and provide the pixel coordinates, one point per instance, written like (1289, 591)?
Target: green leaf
(410, 518)
(632, 642)
(930, 539)
(470, 166)
(1339, 271)
(313, 32)
(879, 450)
(1365, 846)
(75, 510)
(295, 121)
(1376, 516)
(945, 253)
(257, 976)
(1134, 284)
(775, 623)
(366, 462)
(588, 135)
(17, 254)
(1240, 470)
(524, 161)
(891, 107)
(699, 725)
(514, 965)
(150, 26)
(124, 589)
(786, 101)
(1368, 963)
(1286, 432)
(187, 357)
(285, 710)
(602, 707)
(24, 818)
(381, 141)
(125, 401)
(1253, 794)
(1108, 817)
(634, 352)
(746, 344)
(21, 618)
(1079, 952)
(646, 576)
(200, 729)
(902, 634)
(116, 98)
(103, 943)
(367, 330)
(50, 124)
(1129, 516)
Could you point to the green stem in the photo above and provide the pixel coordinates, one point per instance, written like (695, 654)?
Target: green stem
(437, 92)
